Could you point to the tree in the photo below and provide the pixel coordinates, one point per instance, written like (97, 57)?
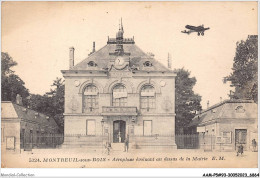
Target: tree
(51, 103)
(11, 84)
(58, 101)
(6, 63)
(39, 103)
(245, 66)
(187, 102)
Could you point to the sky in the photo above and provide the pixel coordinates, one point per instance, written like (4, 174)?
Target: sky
(37, 35)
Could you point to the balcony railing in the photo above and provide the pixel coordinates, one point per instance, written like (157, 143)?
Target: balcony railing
(125, 41)
(119, 110)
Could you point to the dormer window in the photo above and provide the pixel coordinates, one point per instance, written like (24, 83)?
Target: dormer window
(148, 64)
(92, 64)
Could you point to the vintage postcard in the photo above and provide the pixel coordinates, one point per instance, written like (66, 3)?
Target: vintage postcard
(129, 85)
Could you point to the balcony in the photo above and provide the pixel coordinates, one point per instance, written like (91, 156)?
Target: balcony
(125, 41)
(119, 111)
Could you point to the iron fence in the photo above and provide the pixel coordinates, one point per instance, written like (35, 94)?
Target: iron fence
(41, 141)
(195, 141)
(183, 141)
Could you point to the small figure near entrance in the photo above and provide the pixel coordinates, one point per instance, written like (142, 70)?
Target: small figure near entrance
(254, 145)
(108, 147)
(240, 149)
(119, 137)
(126, 143)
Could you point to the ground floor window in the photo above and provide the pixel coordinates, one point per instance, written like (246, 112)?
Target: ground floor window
(147, 127)
(91, 127)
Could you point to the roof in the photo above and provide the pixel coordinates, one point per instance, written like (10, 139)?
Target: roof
(14, 111)
(137, 58)
(7, 110)
(229, 109)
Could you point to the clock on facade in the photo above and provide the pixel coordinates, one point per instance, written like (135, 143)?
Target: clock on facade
(120, 62)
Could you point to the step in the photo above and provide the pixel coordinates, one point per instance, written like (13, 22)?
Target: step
(118, 146)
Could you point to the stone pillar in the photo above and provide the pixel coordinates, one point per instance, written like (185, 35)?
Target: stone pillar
(175, 146)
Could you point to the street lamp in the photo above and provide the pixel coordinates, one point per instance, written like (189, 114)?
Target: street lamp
(102, 124)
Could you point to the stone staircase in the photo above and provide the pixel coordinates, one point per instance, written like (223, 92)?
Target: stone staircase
(118, 146)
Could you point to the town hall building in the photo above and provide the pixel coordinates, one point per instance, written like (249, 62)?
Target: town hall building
(119, 92)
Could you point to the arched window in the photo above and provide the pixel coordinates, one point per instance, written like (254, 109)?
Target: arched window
(90, 99)
(147, 98)
(119, 95)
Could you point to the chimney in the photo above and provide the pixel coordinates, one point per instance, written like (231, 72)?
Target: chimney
(71, 57)
(93, 47)
(220, 99)
(208, 104)
(19, 100)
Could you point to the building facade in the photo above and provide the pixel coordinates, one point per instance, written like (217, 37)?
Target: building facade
(118, 92)
(25, 129)
(227, 125)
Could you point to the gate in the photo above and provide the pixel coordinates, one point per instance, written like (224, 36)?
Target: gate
(195, 141)
(187, 141)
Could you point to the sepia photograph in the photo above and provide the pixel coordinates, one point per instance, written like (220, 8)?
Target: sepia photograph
(129, 84)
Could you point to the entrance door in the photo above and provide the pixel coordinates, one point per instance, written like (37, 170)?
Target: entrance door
(240, 137)
(119, 131)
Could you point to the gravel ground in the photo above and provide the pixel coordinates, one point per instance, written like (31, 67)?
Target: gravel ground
(83, 157)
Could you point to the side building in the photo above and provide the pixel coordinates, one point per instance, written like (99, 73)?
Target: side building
(118, 92)
(225, 126)
(25, 129)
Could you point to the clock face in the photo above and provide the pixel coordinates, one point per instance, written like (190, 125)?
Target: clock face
(119, 61)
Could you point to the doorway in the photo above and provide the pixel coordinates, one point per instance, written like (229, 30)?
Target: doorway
(240, 138)
(119, 128)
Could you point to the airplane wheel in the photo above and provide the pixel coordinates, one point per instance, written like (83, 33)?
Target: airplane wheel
(198, 34)
(202, 34)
